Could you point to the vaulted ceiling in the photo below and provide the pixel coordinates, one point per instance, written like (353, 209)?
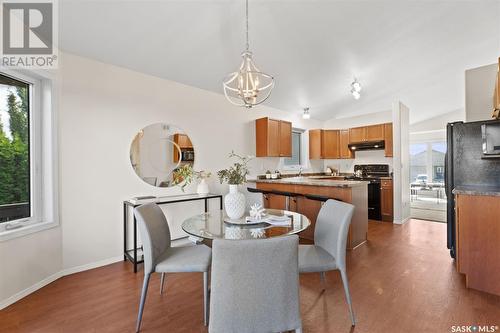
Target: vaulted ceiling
(415, 51)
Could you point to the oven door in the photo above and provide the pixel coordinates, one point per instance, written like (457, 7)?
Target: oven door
(374, 212)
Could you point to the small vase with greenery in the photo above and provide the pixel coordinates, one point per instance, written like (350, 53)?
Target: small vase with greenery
(185, 174)
(235, 175)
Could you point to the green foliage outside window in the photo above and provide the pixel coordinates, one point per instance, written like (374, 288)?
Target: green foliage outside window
(14, 149)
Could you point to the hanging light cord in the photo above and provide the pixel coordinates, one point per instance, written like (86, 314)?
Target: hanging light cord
(248, 45)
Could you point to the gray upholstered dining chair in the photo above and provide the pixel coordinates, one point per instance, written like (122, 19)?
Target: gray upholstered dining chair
(254, 286)
(329, 249)
(160, 257)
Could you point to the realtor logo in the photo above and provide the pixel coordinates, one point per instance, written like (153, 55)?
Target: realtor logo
(28, 34)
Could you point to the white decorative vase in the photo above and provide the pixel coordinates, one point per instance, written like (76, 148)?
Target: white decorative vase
(234, 203)
(202, 187)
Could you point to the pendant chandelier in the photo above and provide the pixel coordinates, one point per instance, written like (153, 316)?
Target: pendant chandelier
(248, 86)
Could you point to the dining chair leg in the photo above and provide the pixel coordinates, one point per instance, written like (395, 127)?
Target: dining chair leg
(322, 276)
(162, 281)
(348, 295)
(205, 298)
(145, 285)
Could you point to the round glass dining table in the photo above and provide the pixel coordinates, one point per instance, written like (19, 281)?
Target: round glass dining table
(215, 225)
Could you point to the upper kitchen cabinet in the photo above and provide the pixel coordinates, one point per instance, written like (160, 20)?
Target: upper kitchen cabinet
(315, 144)
(388, 139)
(374, 132)
(344, 150)
(366, 133)
(330, 144)
(324, 144)
(357, 134)
(273, 138)
(183, 141)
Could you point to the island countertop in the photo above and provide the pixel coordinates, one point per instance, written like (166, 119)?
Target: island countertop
(312, 182)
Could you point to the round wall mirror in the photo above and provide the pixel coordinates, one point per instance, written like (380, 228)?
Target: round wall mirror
(157, 151)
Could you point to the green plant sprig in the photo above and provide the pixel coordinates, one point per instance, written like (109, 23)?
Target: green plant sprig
(235, 174)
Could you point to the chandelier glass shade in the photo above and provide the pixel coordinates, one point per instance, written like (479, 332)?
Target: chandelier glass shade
(248, 86)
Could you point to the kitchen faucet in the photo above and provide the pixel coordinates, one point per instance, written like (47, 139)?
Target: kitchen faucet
(300, 171)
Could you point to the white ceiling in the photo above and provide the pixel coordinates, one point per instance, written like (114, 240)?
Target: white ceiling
(415, 51)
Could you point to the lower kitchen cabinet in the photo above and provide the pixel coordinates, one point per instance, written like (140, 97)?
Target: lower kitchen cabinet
(387, 200)
(477, 241)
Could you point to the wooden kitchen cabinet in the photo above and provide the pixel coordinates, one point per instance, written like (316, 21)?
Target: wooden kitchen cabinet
(273, 138)
(366, 133)
(183, 141)
(374, 132)
(477, 241)
(388, 139)
(387, 200)
(324, 144)
(357, 134)
(315, 144)
(285, 137)
(330, 144)
(344, 150)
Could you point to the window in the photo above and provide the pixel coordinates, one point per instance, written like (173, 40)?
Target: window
(28, 153)
(15, 173)
(295, 160)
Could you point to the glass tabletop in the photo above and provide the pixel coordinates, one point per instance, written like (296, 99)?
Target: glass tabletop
(216, 224)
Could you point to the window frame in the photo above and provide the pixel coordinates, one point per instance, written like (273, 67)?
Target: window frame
(43, 155)
(302, 153)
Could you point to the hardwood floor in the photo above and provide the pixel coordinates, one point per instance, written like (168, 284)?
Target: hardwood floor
(402, 280)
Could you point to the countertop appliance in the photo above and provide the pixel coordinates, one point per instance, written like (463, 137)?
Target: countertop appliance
(187, 155)
(373, 174)
(466, 164)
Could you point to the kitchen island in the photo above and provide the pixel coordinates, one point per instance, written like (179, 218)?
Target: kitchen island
(354, 192)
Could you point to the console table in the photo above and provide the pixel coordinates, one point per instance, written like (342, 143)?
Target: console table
(135, 254)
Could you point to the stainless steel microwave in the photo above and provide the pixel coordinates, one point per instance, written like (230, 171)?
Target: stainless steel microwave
(491, 139)
(187, 155)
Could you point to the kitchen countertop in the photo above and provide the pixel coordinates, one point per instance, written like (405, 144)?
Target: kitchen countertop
(487, 190)
(312, 182)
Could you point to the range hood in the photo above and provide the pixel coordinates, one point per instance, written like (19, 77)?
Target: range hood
(369, 145)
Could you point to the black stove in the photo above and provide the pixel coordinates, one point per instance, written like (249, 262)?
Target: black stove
(371, 173)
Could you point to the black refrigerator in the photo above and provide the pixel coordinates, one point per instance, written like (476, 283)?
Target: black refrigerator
(471, 160)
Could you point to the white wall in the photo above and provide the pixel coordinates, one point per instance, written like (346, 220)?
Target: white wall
(434, 129)
(102, 108)
(401, 176)
(27, 261)
(479, 86)
(368, 119)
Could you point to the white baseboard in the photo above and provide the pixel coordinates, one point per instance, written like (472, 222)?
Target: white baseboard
(23, 293)
(92, 265)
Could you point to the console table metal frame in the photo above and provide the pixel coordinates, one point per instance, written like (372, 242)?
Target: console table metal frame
(131, 255)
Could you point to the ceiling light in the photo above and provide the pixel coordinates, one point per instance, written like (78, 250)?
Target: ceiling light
(356, 86)
(248, 86)
(356, 89)
(306, 114)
